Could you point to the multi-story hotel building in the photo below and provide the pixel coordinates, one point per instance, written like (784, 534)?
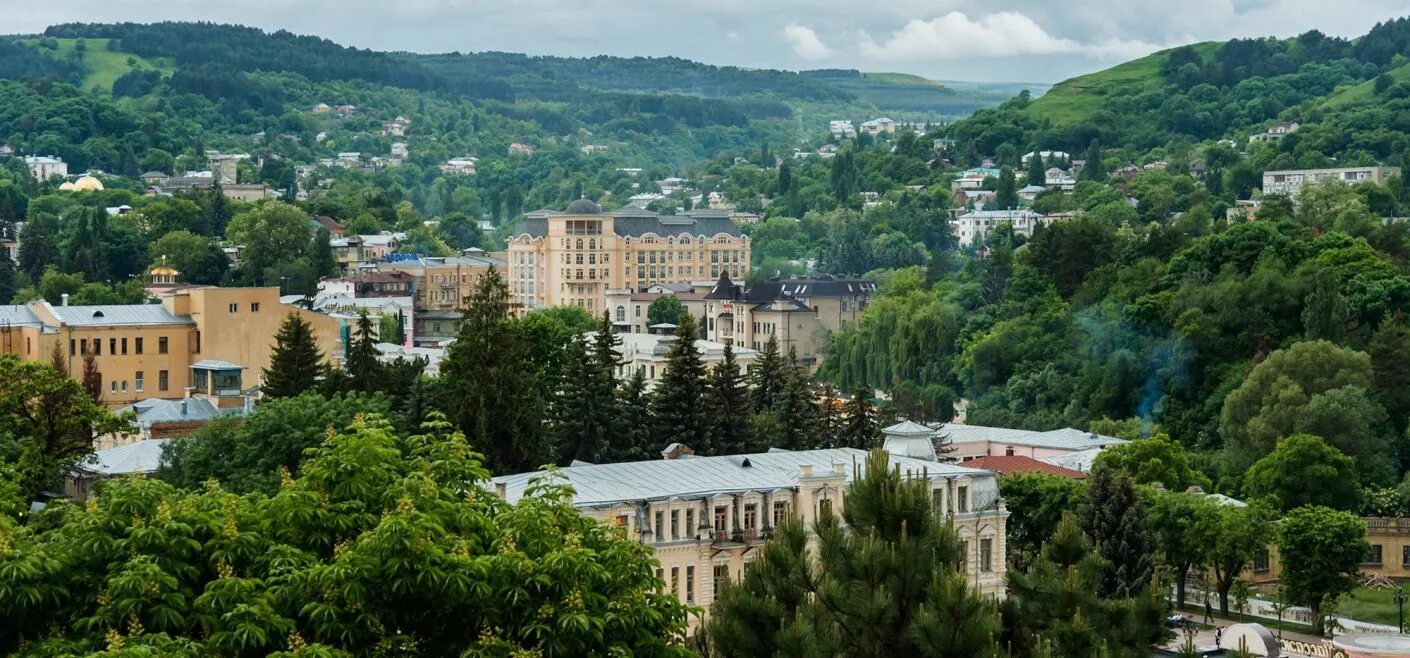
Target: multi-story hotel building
(706, 517)
(206, 341)
(572, 258)
(800, 313)
(1291, 181)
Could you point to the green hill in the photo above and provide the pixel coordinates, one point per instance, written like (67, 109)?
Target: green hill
(1077, 99)
(101, 65)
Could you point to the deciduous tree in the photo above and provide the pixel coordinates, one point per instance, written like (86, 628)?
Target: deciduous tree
(1321, 551)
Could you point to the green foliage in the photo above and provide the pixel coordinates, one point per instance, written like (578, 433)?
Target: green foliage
(1115, 515)
(678, 403)
(584, 411)
(728, 408)
(1303, 470)
(1157, 459)
(1321, 550)
(665, 309)
(1184, 529)
(199, 259)
(296, 363)
(383, 542)
(1036, 503)
(1239, 535)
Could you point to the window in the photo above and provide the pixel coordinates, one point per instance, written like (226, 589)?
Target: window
(675, 524)
(124, 346)
(1008, 452)
(113, 386)
(1373, 557)
(72, 351)
(720, 513)
(937, 500)
(124, 386)
(1260, 561)
(690, 584)
(234, 308)
(964, 555)
(962, 499)
(660, 525)
(137, 381)
(986, 555)
(780, 511)
(721, 575)
(161, 346)
(112, 346)
(751, 516)
(161, 380)
(254, 307)
(676, 581)
(97, 347)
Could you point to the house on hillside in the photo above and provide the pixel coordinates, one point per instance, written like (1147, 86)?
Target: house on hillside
(1275, 132)
(876, 127)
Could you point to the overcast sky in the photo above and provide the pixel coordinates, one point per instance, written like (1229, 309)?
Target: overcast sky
(983, 40)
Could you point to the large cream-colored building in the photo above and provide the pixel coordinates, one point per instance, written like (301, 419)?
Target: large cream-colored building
(198, 340)
(706, 517)
(801, 313)
(573, 258)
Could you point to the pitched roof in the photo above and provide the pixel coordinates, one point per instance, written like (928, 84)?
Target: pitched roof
(1009, 464)
(1062, 439)
(18, 315)
(132, 458)
(906, 427)
(606, 484)
(634, 222)
(191, 410)
(112, 315)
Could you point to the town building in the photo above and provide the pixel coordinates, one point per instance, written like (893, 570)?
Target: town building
(353, 252)
(369, 284)
(1048, 157)
(206, 341)
(462, 165)
(975, 441)
(799, 313)
(138, 458)
(1275, 132)
(840, 129)
(225, 166)
(442, 283)
(972, 227)
(973, 179)
(169, 419)
(706, 518)
(648, 351)
(1019, 464)
(573, 258)
(520, 149)
(1289, 182)
(878, 126)
(42, 167)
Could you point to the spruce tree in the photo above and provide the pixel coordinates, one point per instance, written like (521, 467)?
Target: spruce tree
(363, 367)
(728, 408)
(579, 436)
(490, 394)
(795, 408)
(1036, 173)
(860, 428)
(1006, 194)
(1115, 517)
(829, 419)
(679, 399)
(321, 255)
(631, 441)
(92, 379)
(1093, 169)
(216, 215)
(766, 377)
(296, 363)
(7, 277)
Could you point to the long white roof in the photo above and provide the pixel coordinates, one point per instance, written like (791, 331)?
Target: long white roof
(1061, 439)
(132, 458)
(696, 477)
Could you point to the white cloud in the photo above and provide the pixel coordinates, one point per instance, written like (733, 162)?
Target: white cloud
(805, 42)
(1001, 34)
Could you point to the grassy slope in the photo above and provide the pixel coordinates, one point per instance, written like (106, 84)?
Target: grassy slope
(102, 67)
(903, 96)
(1075, 100)
(1364, 92)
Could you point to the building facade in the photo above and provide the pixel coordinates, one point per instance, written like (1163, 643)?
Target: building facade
(1289, 182)
(972, 227)
(648, 353)
(573, 258)
(212, 341)
(706, 517)
(799, 313)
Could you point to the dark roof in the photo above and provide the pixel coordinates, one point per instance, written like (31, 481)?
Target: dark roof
(633, 222)
(725, 289)
(824, 286)
(1010, 464)
(584, 206)
(393, 276)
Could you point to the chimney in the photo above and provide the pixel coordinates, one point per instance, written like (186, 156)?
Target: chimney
(500, 489)
(64, 299)
(805, 470)
(839, 468)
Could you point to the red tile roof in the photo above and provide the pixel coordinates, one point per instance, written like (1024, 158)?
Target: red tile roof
(1009, 464)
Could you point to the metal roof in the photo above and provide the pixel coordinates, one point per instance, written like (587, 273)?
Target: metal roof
(1062, 439)
(212, 364)
(156, 411)
(111, 315)
(140, 457)
(696, 477)
(19, 316)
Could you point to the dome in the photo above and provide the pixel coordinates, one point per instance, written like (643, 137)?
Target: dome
(584, 206)
(67, 186)
(87, 184)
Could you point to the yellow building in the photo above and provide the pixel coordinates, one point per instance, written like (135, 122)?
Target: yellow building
(800, 313)
(205, 341)
(573, 258)
(706, 517)
(443, 283)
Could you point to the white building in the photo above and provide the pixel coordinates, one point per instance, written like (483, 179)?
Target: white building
(1275, 132)
(876, 127)
(706, 518)
(973, 226)
(974, 441)
(41, 167)
(1291, 181)
(465, 165)
(841, 129)
(1048, 156)
(648, 352)
(671, 185)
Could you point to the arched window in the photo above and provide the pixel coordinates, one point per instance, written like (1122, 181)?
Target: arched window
(621, 314)
(580, 243)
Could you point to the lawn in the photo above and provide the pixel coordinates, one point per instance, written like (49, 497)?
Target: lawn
(1371, 605)
(102, 67)
(1363, 92)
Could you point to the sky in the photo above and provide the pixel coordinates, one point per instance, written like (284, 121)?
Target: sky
(979, 40)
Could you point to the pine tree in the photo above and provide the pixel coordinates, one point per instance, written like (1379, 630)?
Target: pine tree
(634, 427)
(1006, 194)
(217, 214)
(364, 369)
(766, 377)
(491, 395)
(1116, 517)
(321, 255)
(38, 248)
(679, 399)
(296, 363)
(57, 359)
(860, 429)
(1093, 169)
(728, 408)
(7, 277)
(92, 378)
(1036, 173)
(830, 424)
(795, 409)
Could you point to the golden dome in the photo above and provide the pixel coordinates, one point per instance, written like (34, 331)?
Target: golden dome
(164, 270)
(67, 186)
(87, 184)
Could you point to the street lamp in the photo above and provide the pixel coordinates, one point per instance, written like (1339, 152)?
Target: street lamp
(1400, 598)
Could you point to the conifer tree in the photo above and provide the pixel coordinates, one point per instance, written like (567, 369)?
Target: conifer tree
(216, 215)
(57, 360)
(92, 379)
(490, 394)
(1036, 173)
(829, 419)
(1006, 194)
(296, 363)
(795, 408)
(860, 426)
(631, 441)
(321, 255)
(1093, 169)
(7, 277)
(1115, 517)
(585, 408)
(678, 402)
(766, 377)
(364, 369)
(728, 408)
